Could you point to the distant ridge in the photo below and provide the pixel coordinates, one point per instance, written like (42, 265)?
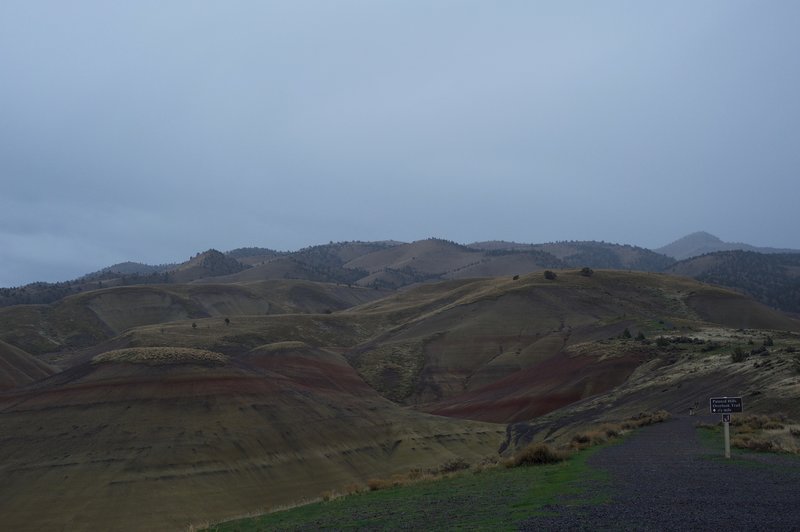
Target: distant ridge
(577, 254)
(701, 242)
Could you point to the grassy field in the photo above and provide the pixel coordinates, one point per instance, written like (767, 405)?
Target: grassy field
(489, 499)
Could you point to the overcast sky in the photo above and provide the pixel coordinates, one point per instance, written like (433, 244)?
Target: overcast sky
(151, 130)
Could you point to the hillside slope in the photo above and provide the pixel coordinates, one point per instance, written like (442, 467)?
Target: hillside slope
(773, 279)
(507, 339)
(88, 318)
(18, 368)
(192, 434)
(577, 254)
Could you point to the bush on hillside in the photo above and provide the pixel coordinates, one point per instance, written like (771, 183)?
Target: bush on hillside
(738, 355)
(550, 275)
(451, 466)
(537, 454)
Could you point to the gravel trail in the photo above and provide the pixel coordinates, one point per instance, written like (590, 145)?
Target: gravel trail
(663, 478)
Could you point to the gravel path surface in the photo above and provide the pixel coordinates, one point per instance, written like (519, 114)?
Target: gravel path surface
(663, 478)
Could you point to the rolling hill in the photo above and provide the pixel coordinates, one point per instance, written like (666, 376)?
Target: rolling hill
(773, 278)
(192, 434)
(576, 254)
(86, 319)
(159, 401)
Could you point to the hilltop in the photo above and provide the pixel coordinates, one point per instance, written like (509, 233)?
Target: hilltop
(701, 242)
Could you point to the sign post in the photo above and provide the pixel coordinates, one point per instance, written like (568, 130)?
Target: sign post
(726, 424)
(726, 406)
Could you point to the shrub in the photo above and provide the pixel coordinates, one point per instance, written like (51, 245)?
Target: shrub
(611, 431)
(738, 355)
(662, 342)
(375, 484)
(451, 466)
(626, 333)
(754, 444)
(550, 275)
(582, 440)
(537, 454)
(753, 423)
(641, 337)
(643, 419)
(587, 272)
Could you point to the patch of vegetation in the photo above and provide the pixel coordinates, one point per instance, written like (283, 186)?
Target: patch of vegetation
(537, 454)
(759, 433)
(489, 499)
(159, 356)
(738, 355)
(392, 370)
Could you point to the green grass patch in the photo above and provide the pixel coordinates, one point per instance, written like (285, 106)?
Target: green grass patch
(492, 499)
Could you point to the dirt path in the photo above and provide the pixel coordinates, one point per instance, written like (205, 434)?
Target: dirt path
(663, 478)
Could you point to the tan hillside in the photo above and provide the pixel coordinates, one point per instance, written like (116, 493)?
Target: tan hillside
(428, 256)
(18, 368)
(192, 435)
(88, 318)
(473, 336)
(680, 376)
(498, 265)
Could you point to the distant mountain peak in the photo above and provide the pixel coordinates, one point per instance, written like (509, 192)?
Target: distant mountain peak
(701, 236)
(702, 242)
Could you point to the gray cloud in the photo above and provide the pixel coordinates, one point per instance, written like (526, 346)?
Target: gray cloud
(149, 131)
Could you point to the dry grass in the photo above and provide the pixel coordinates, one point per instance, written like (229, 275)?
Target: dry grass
(644, 419)
(415, 475)
(762, 433)
(758, 423)
(765, 434)
(400, 479)
(609, 431)
(350, 489)
(157, 356)
(537, 454)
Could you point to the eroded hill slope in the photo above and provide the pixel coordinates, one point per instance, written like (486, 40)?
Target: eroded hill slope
(191, 434)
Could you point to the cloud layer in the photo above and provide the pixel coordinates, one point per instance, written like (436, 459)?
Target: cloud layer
(149, 131)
